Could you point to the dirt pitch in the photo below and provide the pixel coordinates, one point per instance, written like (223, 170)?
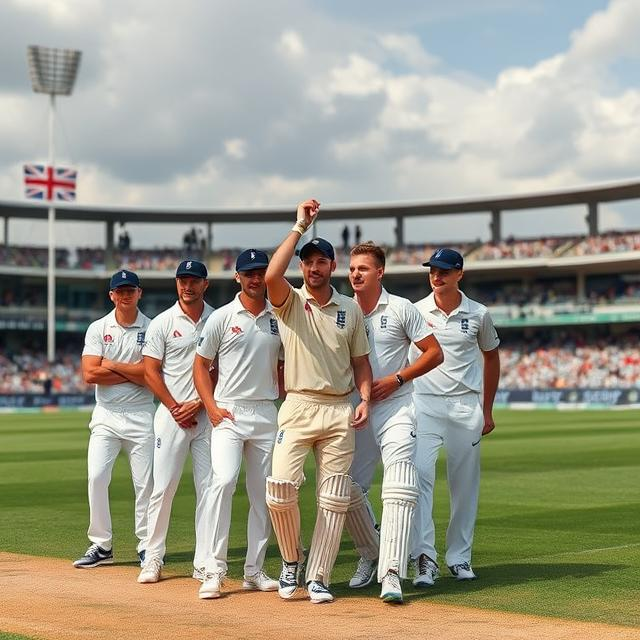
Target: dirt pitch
(47, 598)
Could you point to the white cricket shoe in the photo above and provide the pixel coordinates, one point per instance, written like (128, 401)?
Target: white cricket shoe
(318, 593)
(462, 571)
(365, 573)
(151, 571)
(211, 585)
(427, 571)
(198, 574)
(391, 590)
(288, 582)
(260, 582)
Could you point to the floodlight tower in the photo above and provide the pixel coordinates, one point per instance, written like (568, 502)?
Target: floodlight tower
(53, 71)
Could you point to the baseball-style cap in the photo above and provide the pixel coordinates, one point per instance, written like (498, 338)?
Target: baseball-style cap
(191, 268)
(318, 244)
(124, 278)
(445, 259)
(252, 259)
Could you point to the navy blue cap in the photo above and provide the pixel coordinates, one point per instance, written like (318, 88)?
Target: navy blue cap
(191, 268)
(318, 244)
(124, 278)
(252, 259)
(445, 259)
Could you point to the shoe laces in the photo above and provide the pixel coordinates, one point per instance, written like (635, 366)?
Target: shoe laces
(214, 575)
(318, 587)
(363, 570)
(463, 565)
(393, 580)
(93, 550)
(153, 564)
(289, 572)
(425, 564)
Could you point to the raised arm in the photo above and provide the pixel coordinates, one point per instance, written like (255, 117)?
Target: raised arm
(490, 387)
(277, 285)
(94, 373)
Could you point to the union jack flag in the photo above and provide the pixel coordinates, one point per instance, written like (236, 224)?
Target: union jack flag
(49, 183)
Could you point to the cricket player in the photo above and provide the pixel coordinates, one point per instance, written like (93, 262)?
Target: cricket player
(392, 324)
(123, 415)
(326, 355)
(243, 341)
(454, 406)
(180, 424)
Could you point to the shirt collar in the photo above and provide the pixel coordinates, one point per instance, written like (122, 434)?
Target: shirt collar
(334, 299)
(177, 311)
(383, 300)
(463, 307)
(137, 323)
(238, 307)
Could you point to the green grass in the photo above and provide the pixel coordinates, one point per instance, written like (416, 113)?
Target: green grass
(557, 531)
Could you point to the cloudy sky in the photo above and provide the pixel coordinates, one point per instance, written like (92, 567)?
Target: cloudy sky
(211, 103)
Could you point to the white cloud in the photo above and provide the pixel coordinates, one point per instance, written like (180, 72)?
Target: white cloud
(291, 45)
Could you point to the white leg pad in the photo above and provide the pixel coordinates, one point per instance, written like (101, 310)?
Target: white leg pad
(282, 500)
(334, 496)
(399, 496)
(361, 525)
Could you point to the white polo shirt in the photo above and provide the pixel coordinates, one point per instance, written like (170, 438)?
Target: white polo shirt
(108, 339)
(392, 327)
(172, 337)
(462, 334)
(247, 347)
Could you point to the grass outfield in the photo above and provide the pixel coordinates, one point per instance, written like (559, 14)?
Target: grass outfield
(557, 531)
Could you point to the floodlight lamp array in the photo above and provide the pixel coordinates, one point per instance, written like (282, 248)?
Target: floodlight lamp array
(53, 71)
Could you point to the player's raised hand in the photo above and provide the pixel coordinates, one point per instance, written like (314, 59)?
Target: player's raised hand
(307, 212)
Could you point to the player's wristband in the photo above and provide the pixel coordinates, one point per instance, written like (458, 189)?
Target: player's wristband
(299, 227)
(399, 379)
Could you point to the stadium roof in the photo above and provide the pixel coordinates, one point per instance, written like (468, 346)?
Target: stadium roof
(65, 211)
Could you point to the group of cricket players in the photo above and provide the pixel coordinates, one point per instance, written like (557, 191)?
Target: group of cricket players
(362, 379)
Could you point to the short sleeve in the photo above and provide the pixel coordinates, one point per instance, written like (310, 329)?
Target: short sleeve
(487, 335)
(414, 323)
(93, 341)
(155, 340)
(211, 336)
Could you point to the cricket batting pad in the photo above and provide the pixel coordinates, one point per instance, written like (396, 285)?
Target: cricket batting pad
(333, 502)
(282, 500)
(361, 524)
(399, 496)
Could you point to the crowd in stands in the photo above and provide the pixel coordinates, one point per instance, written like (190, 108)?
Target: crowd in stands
(570, 360)
(27, 371)
(615, 242)
(194, 246)
(541, 361)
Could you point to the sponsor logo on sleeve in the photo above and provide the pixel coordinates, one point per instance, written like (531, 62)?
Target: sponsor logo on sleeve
(107, 338)
(177, 334)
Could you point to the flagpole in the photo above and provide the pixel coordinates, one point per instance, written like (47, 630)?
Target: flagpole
(51, 269)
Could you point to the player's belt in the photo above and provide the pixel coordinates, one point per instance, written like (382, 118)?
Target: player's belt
(319, 398)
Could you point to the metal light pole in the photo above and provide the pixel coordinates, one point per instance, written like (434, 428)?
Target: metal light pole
(53, 71)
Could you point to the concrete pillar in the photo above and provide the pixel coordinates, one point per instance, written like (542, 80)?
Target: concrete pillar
(109, 259)
(208, 250)
(581, 286)
(592, 218)
(496, 226)
(6, 231)
(399, 230)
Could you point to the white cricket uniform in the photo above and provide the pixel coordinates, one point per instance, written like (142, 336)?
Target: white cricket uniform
(121, 419)
(391, 327)
(247, 348)
(449, 412)
(172, 337)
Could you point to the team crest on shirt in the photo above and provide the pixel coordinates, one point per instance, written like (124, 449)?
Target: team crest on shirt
(158, 442)
(280, 436)
(107, 338)
(383, 321)
(341, 318)
(177, 334)
(273, 326)
(140, 338)
(464, 325)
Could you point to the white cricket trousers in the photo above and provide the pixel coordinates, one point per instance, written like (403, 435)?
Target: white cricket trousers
(456, 423)
(252, 434)
(391, 435)
(111, 431)
(172, 445)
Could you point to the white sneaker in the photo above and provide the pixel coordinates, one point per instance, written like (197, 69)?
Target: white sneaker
(462, 571)
(288, 582)
(391, 590)
(318, 593)
(365, 573)
(198, 574)
(151, 571)
(211, 585)
(260, 582)
(427, 571)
